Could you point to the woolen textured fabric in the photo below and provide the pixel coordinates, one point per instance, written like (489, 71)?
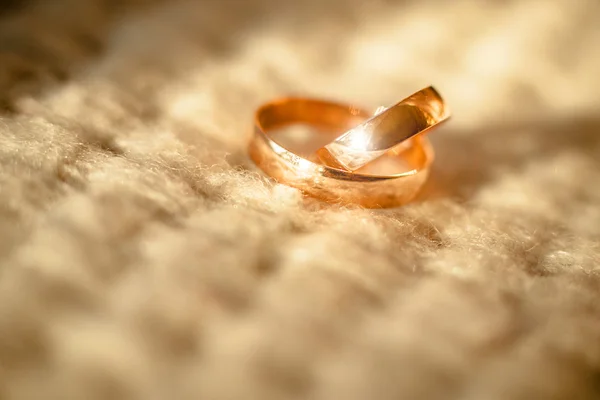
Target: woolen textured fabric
(144, 256)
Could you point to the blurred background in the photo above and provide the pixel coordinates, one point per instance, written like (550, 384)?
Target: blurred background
(537, 54)
(142, 255)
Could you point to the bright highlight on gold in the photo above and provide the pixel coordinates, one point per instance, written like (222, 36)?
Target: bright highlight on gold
(388, 128)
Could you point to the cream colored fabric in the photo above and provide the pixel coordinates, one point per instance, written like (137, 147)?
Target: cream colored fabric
(143, 256)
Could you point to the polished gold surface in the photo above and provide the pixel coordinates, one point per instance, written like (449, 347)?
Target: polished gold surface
(389, 181)
(387, 129)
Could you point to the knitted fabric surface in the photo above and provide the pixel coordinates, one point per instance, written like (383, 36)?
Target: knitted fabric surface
(144, 256)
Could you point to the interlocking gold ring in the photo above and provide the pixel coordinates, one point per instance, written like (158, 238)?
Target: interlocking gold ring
(390, 180)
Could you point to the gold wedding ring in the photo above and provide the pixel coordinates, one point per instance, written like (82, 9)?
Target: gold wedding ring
(390, 127)
(392, 167)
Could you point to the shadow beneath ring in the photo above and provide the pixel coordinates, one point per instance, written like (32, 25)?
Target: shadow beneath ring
(467, 160)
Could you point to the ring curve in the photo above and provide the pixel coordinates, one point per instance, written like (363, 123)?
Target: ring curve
(388, 128)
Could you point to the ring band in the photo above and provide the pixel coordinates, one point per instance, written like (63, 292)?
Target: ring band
(387, 129)
(392, 180)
